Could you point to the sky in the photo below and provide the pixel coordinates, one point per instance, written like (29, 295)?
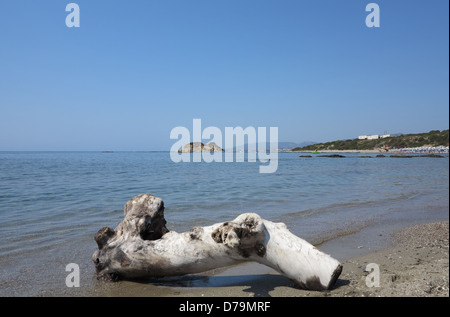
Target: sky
(134, 70)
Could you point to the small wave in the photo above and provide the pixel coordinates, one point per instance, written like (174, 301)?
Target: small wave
(353, 205)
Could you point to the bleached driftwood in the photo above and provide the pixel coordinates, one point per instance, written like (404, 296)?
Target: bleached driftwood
(142, 246)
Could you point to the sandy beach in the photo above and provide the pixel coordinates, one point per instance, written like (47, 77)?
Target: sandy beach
(343, 151)
(348, 208)
(416, 264)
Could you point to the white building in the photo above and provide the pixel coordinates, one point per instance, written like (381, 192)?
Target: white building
(369, 137)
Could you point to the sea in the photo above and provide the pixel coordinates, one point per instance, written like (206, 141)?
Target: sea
(52, 203)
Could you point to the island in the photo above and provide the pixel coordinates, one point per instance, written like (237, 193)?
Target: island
(200, 147)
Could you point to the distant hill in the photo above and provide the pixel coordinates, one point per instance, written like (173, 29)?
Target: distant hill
(290, 145)
(432, 138)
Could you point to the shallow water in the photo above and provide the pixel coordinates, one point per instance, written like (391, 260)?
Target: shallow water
(52, 203)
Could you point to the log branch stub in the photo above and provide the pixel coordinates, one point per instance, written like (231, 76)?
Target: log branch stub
(102, 236)
(144, 215)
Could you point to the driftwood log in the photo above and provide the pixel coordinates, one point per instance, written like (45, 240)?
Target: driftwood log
(141, 246)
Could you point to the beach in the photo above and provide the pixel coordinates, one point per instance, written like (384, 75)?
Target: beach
(414, 150)
(415, 264)
(341, 151)
(158, 140)
(347, 208)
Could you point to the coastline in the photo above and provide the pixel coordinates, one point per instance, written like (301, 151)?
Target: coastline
(343, 209)
(341, 151)
(414, 264)
(417, 150)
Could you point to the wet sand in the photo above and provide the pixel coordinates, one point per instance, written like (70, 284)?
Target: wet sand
(416, 263)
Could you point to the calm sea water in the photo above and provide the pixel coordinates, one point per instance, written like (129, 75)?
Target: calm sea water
(52, 203)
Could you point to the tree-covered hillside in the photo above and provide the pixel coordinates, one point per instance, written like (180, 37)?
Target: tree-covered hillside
(432, 138)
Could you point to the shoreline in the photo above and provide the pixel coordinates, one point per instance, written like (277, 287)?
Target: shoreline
(378, 151)
(414, 261)
(340, 151)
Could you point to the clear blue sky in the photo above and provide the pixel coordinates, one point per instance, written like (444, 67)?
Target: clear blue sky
(136, 69)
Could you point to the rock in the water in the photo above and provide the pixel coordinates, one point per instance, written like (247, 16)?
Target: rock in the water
(331, 155)
(212, 147)
(200, 147)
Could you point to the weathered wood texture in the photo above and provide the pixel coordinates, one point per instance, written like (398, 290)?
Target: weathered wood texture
(142, 246)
